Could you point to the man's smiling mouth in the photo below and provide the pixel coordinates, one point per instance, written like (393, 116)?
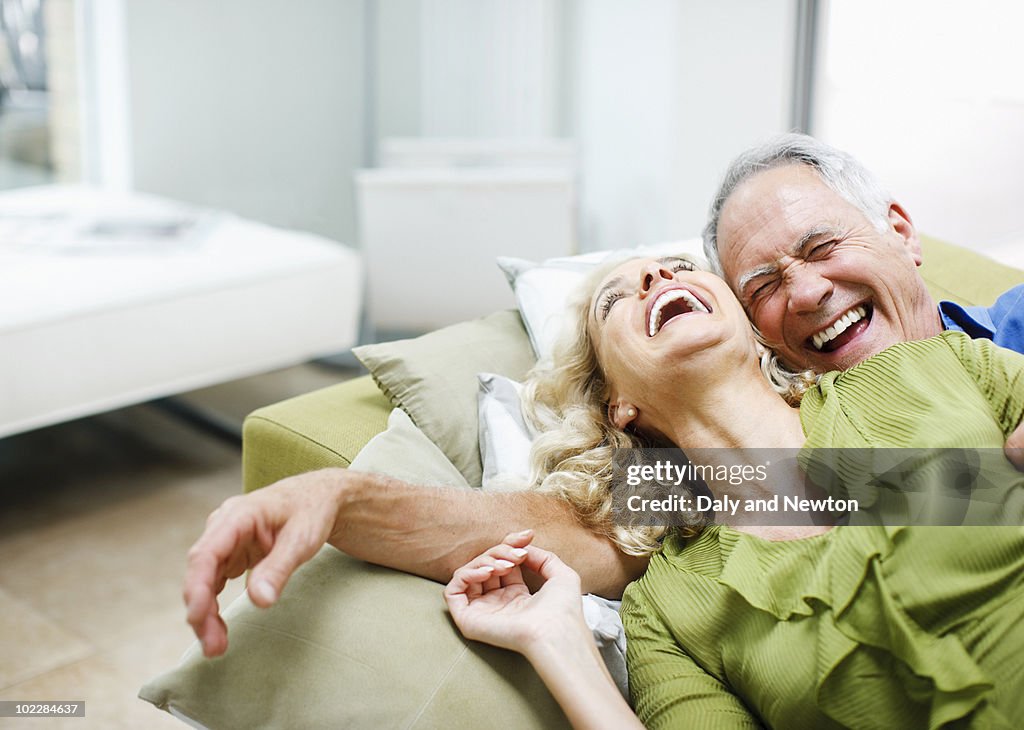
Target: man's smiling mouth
(831, 338)
(670, 304)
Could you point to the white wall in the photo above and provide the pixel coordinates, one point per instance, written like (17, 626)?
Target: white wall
(255, 106)
(396, 72)
(627, 73)
(669, 91)
(936, 110)
(735, 89)
(489, 68)
(468, 68)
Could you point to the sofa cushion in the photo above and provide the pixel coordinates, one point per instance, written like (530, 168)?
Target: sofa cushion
(963, 276)
(433, 379)
(350, 644)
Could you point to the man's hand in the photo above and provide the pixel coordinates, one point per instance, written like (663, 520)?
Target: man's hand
(272, 532)
(1014, 448)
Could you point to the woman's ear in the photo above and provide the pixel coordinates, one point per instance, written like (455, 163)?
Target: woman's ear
(621, 414)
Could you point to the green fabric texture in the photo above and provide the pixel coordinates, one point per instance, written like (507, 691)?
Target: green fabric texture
(321, 429)
(963, 276)
(433, 379)
(946, 391)
(780, 633)
(864, 626)
(351, 644)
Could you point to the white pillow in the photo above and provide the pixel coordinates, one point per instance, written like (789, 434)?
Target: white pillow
(543, 289)
(505, 436)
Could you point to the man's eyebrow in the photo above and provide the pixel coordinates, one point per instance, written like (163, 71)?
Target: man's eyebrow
(798, 250)
(613, 284)
(748, 277)
(811, 237)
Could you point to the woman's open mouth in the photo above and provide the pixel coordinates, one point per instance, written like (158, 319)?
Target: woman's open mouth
(670, 304)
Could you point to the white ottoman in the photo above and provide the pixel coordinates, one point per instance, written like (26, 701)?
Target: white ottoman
(92, 321)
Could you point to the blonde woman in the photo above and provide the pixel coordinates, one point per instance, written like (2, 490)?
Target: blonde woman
(744, 625)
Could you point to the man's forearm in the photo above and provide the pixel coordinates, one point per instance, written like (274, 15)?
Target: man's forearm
(432, 531)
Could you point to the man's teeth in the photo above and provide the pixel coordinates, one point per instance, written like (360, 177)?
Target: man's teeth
(842, 324)
(654, 325)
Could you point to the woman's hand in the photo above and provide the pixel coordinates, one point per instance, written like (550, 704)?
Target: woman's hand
(490, 602)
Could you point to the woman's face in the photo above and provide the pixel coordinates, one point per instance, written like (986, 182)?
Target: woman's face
(658, 325)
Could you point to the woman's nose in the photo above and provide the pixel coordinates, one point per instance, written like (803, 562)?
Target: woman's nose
(653, 273)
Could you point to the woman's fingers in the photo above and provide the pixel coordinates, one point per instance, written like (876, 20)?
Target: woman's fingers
(502, 558)
(549, 566)
(489, 571)
(519, 539)
(466, 584)
(493, 569)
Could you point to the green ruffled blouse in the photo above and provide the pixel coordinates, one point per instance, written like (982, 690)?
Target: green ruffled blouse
(863, 626)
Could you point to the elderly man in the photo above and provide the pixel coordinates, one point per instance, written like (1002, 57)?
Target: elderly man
(823, 260)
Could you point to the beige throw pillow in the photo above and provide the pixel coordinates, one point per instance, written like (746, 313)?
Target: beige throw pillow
(433, 379)
(355, 645)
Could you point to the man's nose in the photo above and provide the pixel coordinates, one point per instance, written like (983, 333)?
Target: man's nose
(808, 290)
(652, 273)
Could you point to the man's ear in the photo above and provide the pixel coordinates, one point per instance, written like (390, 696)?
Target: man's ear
(621, 414)
(900, 221)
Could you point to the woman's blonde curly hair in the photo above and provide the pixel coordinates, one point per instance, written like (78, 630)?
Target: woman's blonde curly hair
(567, 401)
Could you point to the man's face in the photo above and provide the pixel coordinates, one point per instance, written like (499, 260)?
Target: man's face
(824, 286)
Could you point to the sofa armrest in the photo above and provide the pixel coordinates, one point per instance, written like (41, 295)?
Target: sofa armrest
(321, 429)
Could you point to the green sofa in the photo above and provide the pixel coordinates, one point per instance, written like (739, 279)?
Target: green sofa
(324, 428)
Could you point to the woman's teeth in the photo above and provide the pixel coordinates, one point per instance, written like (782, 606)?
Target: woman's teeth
(674, 295)
(842, 324)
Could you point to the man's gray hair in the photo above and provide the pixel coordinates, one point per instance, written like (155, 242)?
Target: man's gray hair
(841, 172)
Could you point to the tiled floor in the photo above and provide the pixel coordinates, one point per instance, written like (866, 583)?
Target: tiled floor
(96, 518)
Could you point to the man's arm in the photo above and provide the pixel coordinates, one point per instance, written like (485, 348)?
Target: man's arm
(432, 532)
(421, 530)
(1000, 374)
